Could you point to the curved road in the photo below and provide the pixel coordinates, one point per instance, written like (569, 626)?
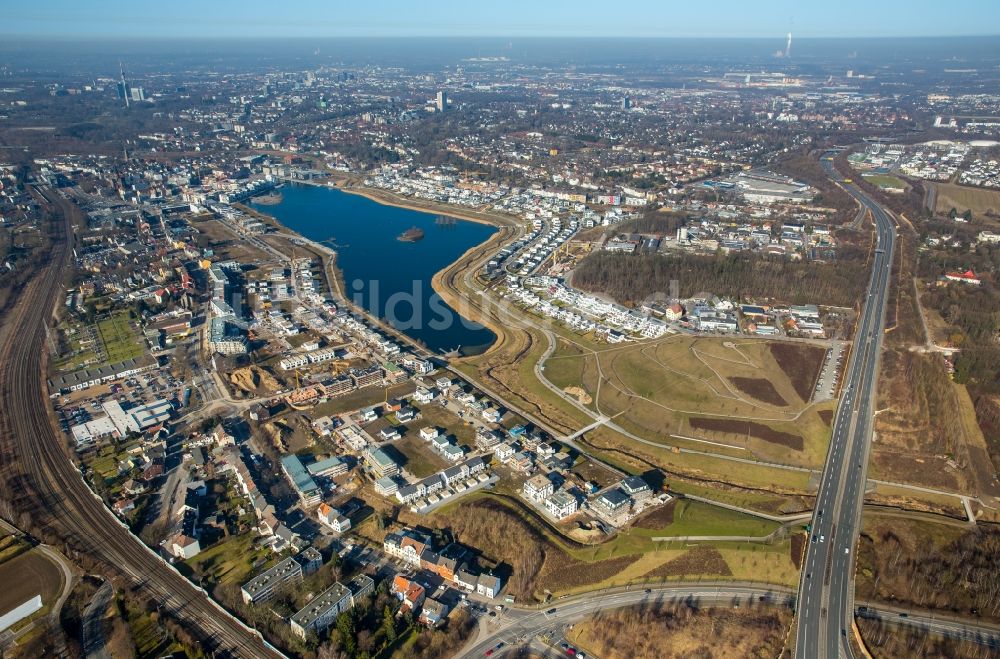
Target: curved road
(826, 591)
(522, 625)
(39, 477)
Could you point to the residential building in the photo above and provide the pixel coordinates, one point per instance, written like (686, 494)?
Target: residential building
(311, 560)
(332, 466)
(612, 503)
(561, 504)
(466, 580)
(432, 612)
(322, 610)
(333, 518)
(386, 486)
(537, 488)
(636, 488)
(407, 545)
(263, 587)
(380, 462)
(488, 585)
(184, 547)
(409, 592)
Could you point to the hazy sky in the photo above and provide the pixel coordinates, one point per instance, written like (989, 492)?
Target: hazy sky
(524, 18)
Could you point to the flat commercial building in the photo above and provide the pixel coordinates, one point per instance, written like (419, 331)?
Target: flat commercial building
(89, 377)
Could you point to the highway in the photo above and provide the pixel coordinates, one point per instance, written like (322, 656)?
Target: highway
(826, 589)
(38, 476)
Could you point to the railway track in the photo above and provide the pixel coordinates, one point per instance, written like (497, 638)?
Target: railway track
(40, 478)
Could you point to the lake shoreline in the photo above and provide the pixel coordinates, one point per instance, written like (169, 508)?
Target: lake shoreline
(449, 295)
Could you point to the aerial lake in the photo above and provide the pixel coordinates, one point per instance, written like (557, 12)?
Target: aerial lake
(389, 277)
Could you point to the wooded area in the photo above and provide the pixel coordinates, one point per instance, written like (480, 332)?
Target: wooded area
(631, 278)
(888, 641)
(959, 575)
(666, 630)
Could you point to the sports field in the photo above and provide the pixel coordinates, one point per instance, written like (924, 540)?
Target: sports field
(886, 181)
(27, 575)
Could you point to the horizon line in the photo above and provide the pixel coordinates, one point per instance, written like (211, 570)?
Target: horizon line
(272, 37)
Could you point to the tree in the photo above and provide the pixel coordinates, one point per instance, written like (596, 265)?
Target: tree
(389, 624)
(346, 630)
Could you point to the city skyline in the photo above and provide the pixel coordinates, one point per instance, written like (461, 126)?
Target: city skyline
(633, 18)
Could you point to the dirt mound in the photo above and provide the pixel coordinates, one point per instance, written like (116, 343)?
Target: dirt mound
(752, 428)
(583, 533)
(253, 380)
(582, 396)
(760, 389)
(277, 434)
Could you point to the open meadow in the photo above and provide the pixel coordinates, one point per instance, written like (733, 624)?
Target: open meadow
(747, 398)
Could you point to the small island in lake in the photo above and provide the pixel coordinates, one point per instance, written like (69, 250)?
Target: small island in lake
(411, 235)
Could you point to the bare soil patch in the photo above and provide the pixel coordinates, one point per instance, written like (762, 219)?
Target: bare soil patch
(800, 362)
(581, 396)
(754, 429)
(760, 389)
(254, 380)
(700, 560)
(658, 518)
(798, 545)
(565, 573)
(826, 416)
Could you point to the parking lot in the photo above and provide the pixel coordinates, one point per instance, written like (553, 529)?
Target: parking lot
(829, 377)
(82, 406)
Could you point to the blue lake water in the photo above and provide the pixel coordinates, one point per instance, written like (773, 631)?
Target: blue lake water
(388, 277)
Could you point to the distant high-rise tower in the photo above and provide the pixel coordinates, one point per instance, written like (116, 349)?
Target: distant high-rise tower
(442, 101)
(626, 103)
(788, 46)
(123, 87)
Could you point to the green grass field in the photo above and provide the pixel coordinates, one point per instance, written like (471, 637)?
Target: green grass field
(962, 198)
(120, 341)
(655, 389)
(230, 560)
(886, 181)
